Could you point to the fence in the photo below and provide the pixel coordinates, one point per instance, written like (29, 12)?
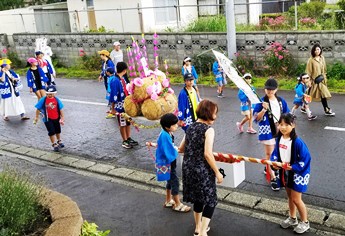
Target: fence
(131, 18)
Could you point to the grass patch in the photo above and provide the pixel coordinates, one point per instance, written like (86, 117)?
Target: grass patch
(20, 203)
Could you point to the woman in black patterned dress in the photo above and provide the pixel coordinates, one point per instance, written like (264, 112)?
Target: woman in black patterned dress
(199, 169)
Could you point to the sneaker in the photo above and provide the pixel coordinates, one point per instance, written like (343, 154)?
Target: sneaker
(251, 131)
(110, 116)
(274, 185)
(301, 227)
(265, 170)
(289, 222)
(303, 110)
(329, 112)
(220, 95)
(53, 83)
(239, 127)
(132, 142)
(61, 145)
(55, 147)
(126, 145)
(312, 117)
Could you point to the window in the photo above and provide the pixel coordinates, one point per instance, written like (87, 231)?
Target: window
(166, 14)
(89, 3)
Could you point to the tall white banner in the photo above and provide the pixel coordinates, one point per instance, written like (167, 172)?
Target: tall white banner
(231, 72)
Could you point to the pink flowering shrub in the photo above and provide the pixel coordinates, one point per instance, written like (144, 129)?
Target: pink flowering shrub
(278, 60)
(307, 22)
(244, 63)
(274, 23)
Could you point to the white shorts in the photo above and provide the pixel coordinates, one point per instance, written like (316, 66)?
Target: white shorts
(271, 141)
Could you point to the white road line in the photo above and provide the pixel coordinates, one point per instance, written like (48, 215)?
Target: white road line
(335, 128)
(83, 102)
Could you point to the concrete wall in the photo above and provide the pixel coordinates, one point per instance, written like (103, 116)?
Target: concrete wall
(175, 46)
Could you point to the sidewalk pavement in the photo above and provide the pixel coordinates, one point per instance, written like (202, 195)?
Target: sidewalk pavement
(236, 201)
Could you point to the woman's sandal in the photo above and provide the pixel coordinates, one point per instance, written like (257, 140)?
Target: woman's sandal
(182, 208)
(196, 233)
(169, 204)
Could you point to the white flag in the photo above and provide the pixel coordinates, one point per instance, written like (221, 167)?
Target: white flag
(229, 69)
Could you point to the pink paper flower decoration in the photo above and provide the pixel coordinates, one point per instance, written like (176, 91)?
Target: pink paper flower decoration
(138, 82)
(171, 91)
(149, 90)
(165, 83)
(154, 96)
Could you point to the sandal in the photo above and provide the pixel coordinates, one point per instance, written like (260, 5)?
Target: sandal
(6, 119)
(169, 204)
(208, 229)
(182, 208)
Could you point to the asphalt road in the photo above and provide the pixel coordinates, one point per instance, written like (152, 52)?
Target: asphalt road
(87, 133)
(127, 211)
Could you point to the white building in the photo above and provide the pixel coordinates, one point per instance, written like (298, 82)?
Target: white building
(52, 18)
(130, 15)
(151, 15)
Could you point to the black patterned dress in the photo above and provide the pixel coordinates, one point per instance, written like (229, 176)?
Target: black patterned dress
(199, 180)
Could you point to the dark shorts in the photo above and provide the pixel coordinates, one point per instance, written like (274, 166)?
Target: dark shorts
(53, 127)
(173, 182)
(122, 121)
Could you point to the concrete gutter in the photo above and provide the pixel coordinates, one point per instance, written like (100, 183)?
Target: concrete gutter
(324, 221)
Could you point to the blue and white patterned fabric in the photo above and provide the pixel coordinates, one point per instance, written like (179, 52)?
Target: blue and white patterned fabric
(166, 153)
(31, 79)
(5, 89)
(184, 109)
(298, 177)
(265, 132)
(117, 94)
(105, 66)
(244, 100)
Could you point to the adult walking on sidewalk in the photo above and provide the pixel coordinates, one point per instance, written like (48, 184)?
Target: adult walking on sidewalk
(11, 104)
(199, 169)
(316, 68)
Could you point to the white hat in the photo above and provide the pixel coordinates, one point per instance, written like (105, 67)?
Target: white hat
(187, 59)
(117, 43)
(247, 75)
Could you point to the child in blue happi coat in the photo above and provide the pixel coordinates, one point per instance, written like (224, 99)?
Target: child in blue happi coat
(267, 114)
(246, 107)
(166, 155)
(220, 78)
(294, 153)
(302, 98)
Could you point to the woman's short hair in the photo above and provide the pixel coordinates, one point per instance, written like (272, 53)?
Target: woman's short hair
(206, 109)
(168, 120)
(316, 45)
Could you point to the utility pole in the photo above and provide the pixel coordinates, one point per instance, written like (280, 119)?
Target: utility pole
(231, 28)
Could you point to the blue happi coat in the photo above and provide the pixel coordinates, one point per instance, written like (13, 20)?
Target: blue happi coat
(265, 132)
(117, 94)
(216, 72)
(31, 79)
(185, 109)
(245, 100)
(165, 154)
(300, 90)
(5, 88)
(105, 66)
(298, 177)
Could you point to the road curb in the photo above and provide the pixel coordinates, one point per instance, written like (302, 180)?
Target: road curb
(324, 221)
